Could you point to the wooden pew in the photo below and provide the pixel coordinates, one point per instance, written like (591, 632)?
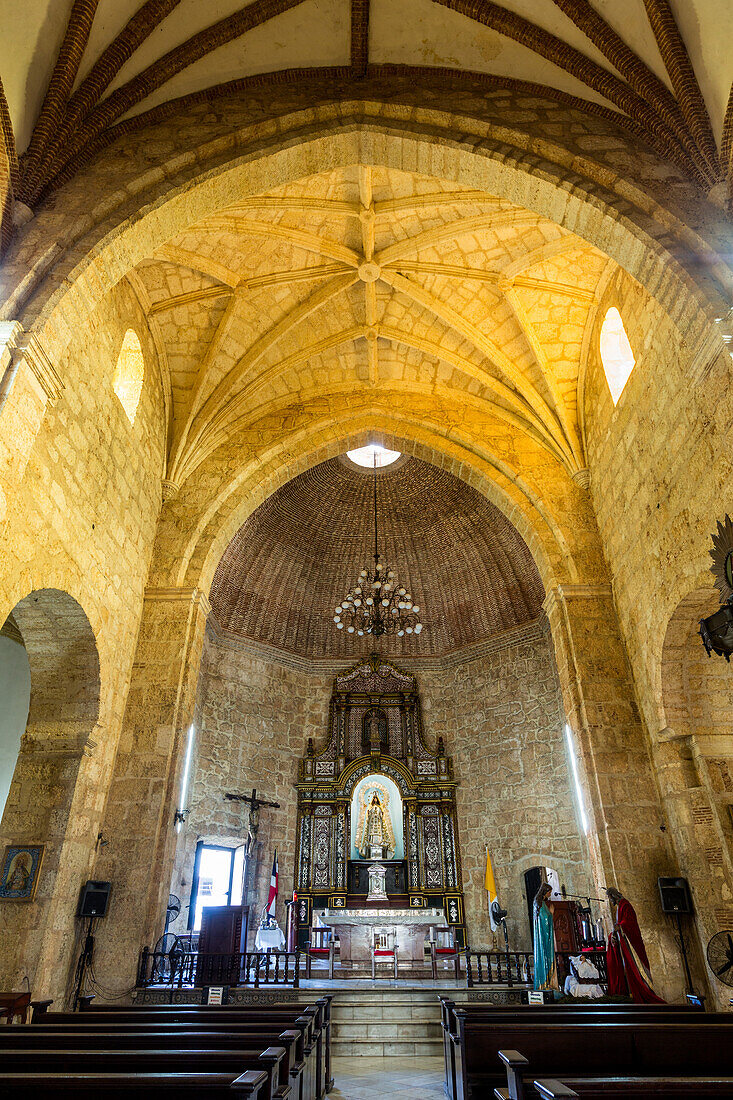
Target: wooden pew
(136, 1086)
(629, 1088)
(625, 1088)
(13, 1006)
(612, 1049)
(315, 1054)
(320, 1010)
(255, 1039)
(173, 1061)
(566, 1013)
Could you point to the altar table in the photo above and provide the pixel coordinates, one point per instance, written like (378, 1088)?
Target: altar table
(355, 929)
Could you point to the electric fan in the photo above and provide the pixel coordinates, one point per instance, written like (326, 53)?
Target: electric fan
(720, 956)
(174, 908)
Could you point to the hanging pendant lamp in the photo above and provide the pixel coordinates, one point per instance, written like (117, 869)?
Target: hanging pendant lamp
(377, 604)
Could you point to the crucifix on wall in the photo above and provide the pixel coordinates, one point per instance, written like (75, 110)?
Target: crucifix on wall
(253, 818)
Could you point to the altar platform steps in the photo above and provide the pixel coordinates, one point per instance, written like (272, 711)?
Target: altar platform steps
(372, 1023)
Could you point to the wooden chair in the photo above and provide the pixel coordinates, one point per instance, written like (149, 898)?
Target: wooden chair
(384, 950)
(14, 1005)
(443, 948)
(321, 945)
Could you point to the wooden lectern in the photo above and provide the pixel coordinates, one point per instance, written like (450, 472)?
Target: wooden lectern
(222, 944)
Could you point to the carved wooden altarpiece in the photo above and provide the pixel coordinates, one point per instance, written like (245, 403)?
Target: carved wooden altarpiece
(376, 707)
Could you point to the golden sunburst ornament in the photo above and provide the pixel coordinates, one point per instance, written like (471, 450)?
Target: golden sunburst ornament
(722, 555)
(716, 630)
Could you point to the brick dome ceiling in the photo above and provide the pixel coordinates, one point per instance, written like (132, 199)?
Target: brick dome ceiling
(299, 552)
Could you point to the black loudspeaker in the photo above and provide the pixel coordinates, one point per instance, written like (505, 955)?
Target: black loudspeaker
(94, 899)
(675, 895)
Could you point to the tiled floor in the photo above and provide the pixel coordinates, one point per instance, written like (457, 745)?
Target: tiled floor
(396, 1078)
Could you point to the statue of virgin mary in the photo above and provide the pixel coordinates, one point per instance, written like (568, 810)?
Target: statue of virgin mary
(376, 831)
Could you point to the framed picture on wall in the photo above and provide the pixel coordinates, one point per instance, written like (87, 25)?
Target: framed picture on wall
(20, 871)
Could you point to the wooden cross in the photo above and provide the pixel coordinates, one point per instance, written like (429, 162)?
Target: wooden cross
(253, 821)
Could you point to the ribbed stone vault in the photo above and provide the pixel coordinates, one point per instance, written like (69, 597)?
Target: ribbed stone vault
(295, 557)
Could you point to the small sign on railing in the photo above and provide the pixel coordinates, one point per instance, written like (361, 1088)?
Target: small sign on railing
(216, 995)
(535, 997)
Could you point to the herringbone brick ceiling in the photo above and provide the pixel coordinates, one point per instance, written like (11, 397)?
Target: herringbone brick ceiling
(298, 554)
(80, 74)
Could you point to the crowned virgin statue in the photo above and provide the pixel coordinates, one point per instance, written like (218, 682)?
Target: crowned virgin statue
(377, 836)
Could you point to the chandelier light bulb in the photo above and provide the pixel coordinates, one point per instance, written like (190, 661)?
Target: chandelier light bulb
(351, 630)
(339, 626)
(408, 630)
(418, 628)
(369, 601)
(400, 633)
(415, 608)
(357, 603)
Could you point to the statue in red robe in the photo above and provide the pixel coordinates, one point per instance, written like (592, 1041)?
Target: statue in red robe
(629, 973)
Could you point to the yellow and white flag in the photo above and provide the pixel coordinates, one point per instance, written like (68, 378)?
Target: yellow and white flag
(490, 887)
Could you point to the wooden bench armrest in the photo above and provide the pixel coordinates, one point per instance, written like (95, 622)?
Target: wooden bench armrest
(273, 1054)
(501, 1094)
(40, 1008)
(250, 1082)
(553, 1090)
(513, 1058)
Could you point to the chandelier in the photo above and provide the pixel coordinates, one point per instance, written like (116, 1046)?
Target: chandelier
(378, 604)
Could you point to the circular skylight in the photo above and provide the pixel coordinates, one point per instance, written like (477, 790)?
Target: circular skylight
(365, 456)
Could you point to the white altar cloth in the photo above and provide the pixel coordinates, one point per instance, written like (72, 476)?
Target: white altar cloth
(355, 929)
(272, 938)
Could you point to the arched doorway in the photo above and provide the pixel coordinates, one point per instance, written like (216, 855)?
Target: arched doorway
(63, 664)
(696, 769)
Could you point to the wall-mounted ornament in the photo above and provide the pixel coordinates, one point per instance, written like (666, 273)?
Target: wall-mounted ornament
(716, 630)
(20, 871)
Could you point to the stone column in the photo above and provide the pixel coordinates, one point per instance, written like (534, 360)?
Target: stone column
(696, 780)
(144, 793)
(28, 385)
(627, 829)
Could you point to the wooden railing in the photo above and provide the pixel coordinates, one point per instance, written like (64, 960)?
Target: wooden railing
(499, 968)
(177, 969)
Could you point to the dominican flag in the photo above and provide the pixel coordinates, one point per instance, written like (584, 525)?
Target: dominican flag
(272, 896)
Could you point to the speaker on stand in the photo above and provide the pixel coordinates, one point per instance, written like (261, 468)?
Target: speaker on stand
(676, 900)
(93, 903)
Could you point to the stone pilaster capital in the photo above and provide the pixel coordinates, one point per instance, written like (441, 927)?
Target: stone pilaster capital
(564, 592)
(29, 349)
(59, 739)
(582, 478)
(169, 488)
(179, 595)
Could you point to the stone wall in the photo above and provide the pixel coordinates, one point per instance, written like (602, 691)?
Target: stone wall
(660, 479)
(255, 716)
(81, 517)
(500, 713)
(503, 722)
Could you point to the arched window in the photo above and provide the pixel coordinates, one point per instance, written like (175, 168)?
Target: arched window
(616, 354)
(129, 374)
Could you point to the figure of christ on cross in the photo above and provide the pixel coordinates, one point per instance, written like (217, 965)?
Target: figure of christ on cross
(253, 819)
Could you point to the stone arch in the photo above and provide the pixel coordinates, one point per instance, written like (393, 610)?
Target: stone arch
(494, 478)
(45, 793)
(694, 756)
(357, 133)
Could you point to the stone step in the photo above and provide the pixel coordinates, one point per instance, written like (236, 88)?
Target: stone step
(399, 1012)
(385, 1030)
(371, 1048)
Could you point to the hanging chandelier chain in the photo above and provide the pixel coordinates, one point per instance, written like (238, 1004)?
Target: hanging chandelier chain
(377, 604)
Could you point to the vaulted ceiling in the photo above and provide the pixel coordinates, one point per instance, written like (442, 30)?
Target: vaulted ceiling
(300, 552)
(79, 74)
(370, 279)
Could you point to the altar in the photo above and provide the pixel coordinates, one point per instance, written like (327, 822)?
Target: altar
(355, 929)
(377, 845)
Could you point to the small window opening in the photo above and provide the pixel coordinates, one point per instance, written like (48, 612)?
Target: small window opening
(616, 354)
(129, 374)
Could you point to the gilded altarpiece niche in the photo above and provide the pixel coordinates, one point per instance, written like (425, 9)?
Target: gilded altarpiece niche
(375, 742)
